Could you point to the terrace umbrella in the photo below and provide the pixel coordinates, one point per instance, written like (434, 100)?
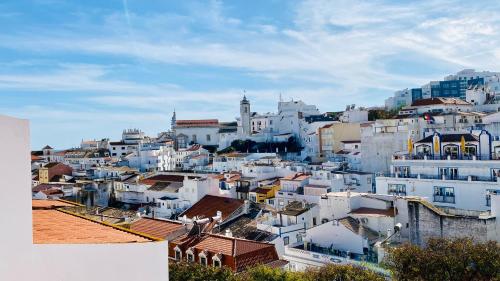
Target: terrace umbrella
(462, 145)
(410, 145)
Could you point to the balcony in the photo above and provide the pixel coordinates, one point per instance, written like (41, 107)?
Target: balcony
(440, 177)
(327, 256)
(441, 157)
(444, 199)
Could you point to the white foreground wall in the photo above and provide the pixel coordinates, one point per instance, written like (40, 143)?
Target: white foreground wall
(21, 260)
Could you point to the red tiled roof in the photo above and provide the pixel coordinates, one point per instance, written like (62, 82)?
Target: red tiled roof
(57, 227)
(170, 178)
(209, 205)
(45, 186)
(434, 101)
(52, 191)
(246, 252)
(197, 123)
(194, 147)
(51, 204)
(261, 190)
(155, 227)
(296, 177)
(35, 158)
(370, 211)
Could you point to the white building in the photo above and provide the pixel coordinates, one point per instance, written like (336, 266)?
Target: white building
(189, 132)
(454, 171)
(69, 259)
(354, 115)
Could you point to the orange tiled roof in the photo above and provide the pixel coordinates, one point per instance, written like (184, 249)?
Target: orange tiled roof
(156, 228)
(197, 123)
(434, 101)
(296, 177)
(35, 158)
(57, 227)
(246, 252)
(51, 204)
(371, 211)
(170, 178)
(209, 205)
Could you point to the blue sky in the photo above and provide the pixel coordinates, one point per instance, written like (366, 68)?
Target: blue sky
(89, 69)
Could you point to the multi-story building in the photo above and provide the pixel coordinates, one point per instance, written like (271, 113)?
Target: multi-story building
(454, 171)
(189, 132)
(53, 172)
(332, 135)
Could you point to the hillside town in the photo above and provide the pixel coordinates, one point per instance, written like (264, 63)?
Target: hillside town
(296, 188)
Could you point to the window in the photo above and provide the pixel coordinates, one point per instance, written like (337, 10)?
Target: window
(402, 171)
(489, 192)
(444, 194)
(299, 238)
(190, 257)
(448, 173)
(114, 148)
(314, 221)
(396, 189)
(114, 154)
(286, 240)
(123, 147)
(178, 254)
(208, 138)
(203, 260)
(470, 150)
(451, 150)
(193, 138)
(495, 173)
(216, 261)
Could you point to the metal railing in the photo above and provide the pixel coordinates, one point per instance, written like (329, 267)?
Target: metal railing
(438, 177)
(444, 199)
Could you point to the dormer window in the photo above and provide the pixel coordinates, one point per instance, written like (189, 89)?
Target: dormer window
(178, 253)
(203, 258)
(190, 255)
(216, 260)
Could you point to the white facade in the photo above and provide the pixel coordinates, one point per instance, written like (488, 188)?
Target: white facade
(36, 261)
(354, 115)
(208, 135)
(460, 184)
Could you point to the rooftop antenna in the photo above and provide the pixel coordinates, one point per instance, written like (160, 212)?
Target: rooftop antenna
(281, 98)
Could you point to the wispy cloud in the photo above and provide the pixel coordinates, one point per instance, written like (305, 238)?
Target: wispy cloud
(327, 52)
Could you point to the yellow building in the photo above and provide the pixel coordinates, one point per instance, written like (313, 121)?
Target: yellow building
(332, 135)
(260, 194)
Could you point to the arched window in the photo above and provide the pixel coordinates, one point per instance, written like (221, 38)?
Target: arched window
(203, 258)
(217, 260)
(190, 255)
(178, 253)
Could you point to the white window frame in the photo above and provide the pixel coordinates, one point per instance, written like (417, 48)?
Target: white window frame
(178, 251)
(216, 258)
(204, 256)
(190, 254)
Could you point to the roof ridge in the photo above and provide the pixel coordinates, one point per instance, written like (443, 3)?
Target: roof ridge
(120, 228)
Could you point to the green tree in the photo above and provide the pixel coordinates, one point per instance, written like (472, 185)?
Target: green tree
(446, 259)
(197, 272)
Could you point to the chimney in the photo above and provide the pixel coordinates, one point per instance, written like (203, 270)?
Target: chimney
(229, 233)
(246, 207)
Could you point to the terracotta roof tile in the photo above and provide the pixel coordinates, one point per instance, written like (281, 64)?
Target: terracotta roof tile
(209, 205)
(155, 227)
(370, 211)
(297, 177)
(197, 123)
(51, 204)
(57, 227)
